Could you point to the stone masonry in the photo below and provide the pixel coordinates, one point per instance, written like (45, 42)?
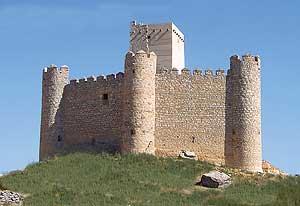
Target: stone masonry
(243, 126)
(155, 108)
(165, 40)
(139, 102)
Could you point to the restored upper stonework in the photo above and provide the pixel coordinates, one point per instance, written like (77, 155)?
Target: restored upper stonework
(165, 40)
(157, 106)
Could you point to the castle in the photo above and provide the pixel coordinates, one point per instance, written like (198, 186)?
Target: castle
(157, 106)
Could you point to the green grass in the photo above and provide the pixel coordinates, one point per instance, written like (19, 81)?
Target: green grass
(89, 179)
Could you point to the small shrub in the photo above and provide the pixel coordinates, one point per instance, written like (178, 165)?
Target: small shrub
(2, 187)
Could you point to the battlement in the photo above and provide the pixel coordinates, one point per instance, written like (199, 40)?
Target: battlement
(246, 57)
(207, 73)
(108, 79)
(166, 40)
(140, 53)
(236, 62)
(54, 69)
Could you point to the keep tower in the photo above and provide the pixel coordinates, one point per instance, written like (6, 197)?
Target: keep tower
(243, 114)
(139, 103)
(54, 81)
(165, 40)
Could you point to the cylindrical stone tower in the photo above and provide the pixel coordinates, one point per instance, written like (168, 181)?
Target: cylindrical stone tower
(51, 134)
(139, 103)
(243, 148)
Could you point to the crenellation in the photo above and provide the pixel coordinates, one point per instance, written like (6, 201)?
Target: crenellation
(197, 72)
(165, 40)
(248, 57)
(185, 71)
(106, 81)
(208, 73)
(45, 70)
(174, 71)
(111, 77)
(220, 72)
(51, 69)
(157, 105)
(54, 69)
(64, 67)
(163, 70)
(119, 75)
(91, 79)
(235, 58)
(52, 66)
(83, 80)
(74, 82)
(100, 78)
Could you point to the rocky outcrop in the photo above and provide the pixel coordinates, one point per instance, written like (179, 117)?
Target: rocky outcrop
(214, 179)
(10, 198)
(188, 155)
(269, 168)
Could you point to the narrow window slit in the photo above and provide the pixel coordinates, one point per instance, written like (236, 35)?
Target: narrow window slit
(59, 138)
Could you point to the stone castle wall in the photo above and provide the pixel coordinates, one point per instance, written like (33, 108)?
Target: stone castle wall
(92, 113)
(214, 115)
(190, 114)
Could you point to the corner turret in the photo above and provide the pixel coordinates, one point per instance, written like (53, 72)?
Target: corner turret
(139, 103)
(54, 81)
(243, 148)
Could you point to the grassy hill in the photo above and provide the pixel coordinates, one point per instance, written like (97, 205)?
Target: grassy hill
(94, 180)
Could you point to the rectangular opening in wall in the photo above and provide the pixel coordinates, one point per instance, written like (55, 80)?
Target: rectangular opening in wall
(59, 138)
(105, 99)
(93, 142)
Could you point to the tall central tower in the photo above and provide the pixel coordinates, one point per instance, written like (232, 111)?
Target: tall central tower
(165, 40)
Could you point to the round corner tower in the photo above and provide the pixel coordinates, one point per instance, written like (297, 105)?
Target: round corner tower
(54, 81)
(243, 147)
(139, 103)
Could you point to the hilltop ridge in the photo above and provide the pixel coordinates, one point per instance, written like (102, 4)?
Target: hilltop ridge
(90, 179)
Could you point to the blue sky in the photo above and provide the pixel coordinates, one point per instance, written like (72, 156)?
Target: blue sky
(92, 38)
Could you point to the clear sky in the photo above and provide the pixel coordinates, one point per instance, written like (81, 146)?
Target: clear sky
(92, 37)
